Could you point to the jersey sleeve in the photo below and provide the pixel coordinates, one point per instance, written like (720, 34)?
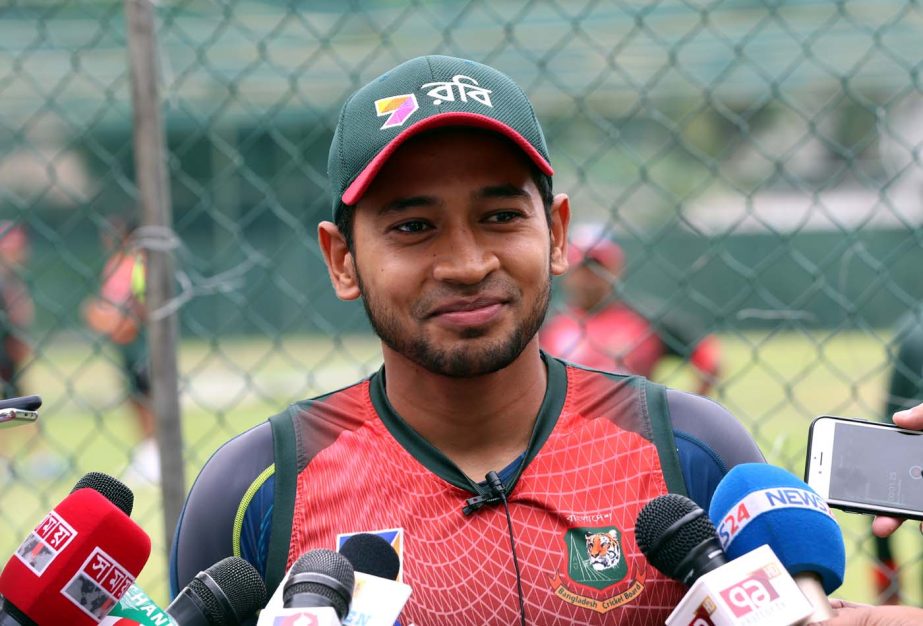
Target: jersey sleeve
(237, 478)
(709, 441)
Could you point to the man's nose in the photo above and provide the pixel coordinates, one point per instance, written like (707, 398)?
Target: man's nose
(464, 258)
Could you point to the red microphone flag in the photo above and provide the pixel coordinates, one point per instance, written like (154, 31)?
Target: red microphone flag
(77, 563)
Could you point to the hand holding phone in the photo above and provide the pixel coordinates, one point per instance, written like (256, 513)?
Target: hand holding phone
(866, 467)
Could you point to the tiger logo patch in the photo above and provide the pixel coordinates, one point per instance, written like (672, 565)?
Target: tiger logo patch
(604, 551)
(596, 573)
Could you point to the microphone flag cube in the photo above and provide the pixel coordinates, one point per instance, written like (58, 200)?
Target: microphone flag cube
(753, 589)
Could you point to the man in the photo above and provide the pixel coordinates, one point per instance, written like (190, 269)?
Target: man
(118, 313)
(16, 314)
(16, 307)
(905, 389)
(850, 614)
(446, 227)
(600, 330)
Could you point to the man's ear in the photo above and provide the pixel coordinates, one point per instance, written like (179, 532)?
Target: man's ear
(560, 219)
(340, 264)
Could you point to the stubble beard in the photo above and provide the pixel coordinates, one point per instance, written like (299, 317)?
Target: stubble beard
(467, 359)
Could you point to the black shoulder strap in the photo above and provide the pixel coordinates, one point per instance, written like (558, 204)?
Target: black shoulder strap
(283, 506)
(658, 411)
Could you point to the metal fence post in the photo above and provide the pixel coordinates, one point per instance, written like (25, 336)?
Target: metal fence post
(154, 196)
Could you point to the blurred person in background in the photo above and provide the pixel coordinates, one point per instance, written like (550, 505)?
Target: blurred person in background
(905, 389)
(16, 314)
(601, 330)
(16, 308)
(118, 313)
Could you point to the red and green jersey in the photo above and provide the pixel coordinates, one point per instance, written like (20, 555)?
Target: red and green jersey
(603, 444)
(602, 447)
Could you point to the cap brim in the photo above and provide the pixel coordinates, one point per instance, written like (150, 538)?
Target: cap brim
(358, 187)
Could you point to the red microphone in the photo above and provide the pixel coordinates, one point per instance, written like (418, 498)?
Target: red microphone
(76, 564)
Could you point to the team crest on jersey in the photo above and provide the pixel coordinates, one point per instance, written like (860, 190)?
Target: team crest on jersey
(394, 536)
(397, 108)
(596, 574)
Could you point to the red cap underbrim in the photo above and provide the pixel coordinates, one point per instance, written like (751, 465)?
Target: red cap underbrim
(358, 187)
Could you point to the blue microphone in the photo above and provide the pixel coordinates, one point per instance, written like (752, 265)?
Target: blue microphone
(758, 504)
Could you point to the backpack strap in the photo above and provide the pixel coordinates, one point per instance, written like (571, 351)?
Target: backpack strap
(658, 411)
(283, 506)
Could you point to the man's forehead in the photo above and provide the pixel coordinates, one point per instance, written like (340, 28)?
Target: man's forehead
(397, 203)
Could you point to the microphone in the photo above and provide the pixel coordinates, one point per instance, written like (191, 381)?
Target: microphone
(757, 503)
(113, 489)
(320, 578)
(371, 554)
(679, 539)
(378, 598)
(225, 594)
(318, 587)
(19, 411)
(78, 561)
(25, 403)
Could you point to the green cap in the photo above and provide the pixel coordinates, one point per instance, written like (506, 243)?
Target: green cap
(419, 95)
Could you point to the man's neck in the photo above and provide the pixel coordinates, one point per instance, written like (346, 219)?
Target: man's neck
(481, 423)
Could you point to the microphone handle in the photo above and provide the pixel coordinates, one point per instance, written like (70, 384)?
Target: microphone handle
(810, 585)
(12, 616)
(187, 609)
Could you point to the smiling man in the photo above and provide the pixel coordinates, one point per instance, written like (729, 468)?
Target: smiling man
(507, 481)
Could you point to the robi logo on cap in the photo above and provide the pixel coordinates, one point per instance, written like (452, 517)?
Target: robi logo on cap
(400, 108)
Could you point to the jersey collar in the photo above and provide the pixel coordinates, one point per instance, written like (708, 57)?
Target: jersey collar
(436, 462)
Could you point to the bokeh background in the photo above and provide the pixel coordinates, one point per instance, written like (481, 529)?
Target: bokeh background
(759, 162)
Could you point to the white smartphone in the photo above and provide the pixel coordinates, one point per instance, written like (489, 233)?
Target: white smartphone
(866, 467)
(16, 417)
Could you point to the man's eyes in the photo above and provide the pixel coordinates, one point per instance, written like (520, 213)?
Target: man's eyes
(502, 217)
(496, 217)
(413, 226)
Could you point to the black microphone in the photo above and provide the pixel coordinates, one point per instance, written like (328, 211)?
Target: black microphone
(370, 554)
(12, 616)
(225, 594)
(496, 493)
(678, 538)
(320, 578)
(25, 403)
(114, 490)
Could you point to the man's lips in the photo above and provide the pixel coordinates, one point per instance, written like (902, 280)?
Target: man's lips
(468, 312)
(465, 306)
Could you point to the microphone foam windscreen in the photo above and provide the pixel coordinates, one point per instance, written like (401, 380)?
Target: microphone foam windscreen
(77, 563)
(664, 544)
(330, 564)
(113, 489)
(242, 586)
(370, 554)
(757, 503)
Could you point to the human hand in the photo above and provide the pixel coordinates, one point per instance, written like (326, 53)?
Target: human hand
(911, 419)
(852, 614)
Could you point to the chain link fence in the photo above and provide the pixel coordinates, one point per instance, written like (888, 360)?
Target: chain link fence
(757, 161)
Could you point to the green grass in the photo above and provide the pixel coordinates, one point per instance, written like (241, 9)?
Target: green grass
(775, 383)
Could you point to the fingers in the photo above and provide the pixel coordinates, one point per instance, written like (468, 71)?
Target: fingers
(883, 526)
(911, 418)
